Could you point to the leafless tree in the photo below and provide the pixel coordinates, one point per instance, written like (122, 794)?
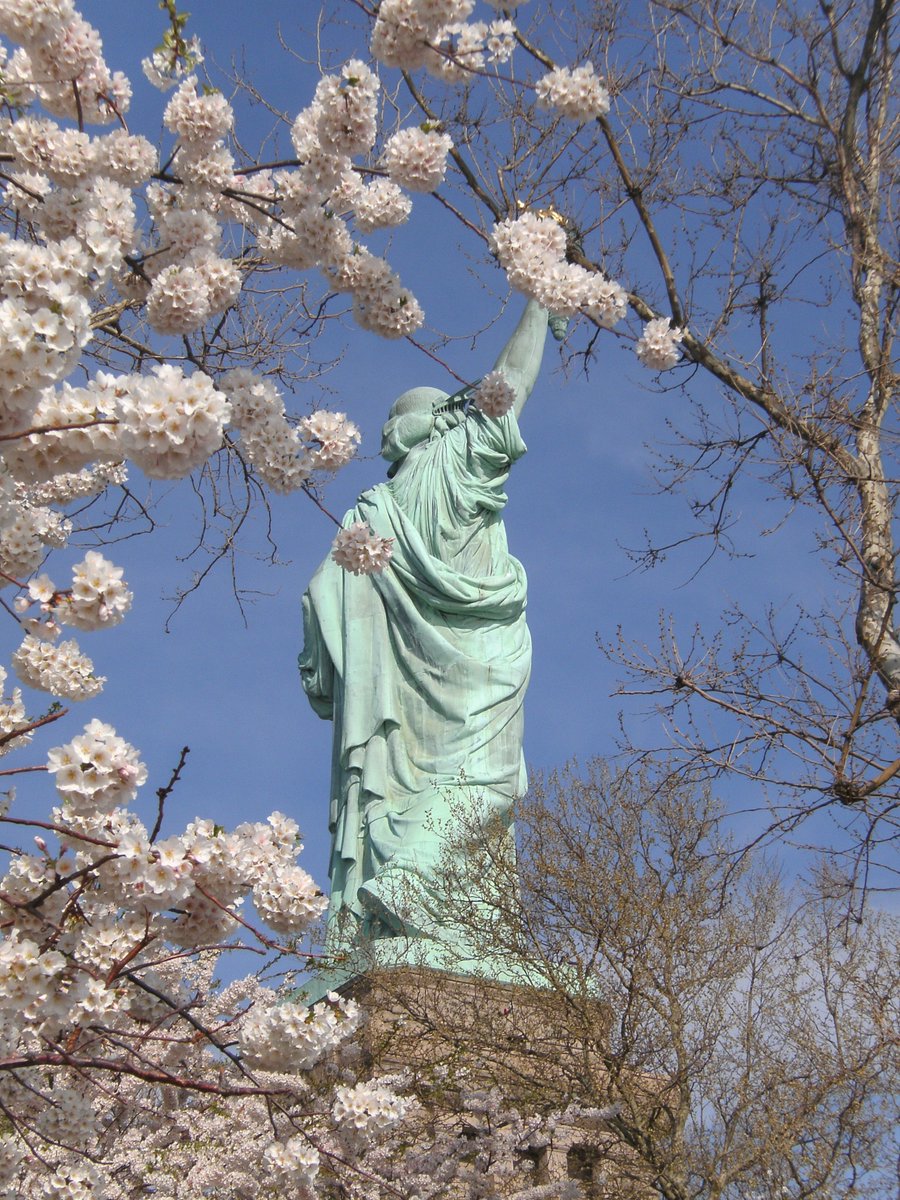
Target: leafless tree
(719, 1036)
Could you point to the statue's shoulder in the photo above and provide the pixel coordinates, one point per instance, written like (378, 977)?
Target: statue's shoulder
(379, 498)
(495, 436)
(379, 492)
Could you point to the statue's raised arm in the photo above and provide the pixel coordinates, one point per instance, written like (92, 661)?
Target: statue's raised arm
(520, 358)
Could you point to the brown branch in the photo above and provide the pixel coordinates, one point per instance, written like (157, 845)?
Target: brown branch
(62, 882)
(63, 830)
(464, 168)
(308, 491)
(61, 1059)
(38, 429)
(163, 793)
(29, 728)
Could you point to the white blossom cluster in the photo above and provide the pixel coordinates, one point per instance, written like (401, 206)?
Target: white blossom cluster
(437, 35)
(380, 204)
(284, 895)
(186, 281)
(333, 435)
(166, 422)
(98, 595)
(464, 47)
(417, 158)
(531, 249)
(170, 422)
(285, 455)
(206, 874)
(185, 295)
(14, 725)
(97, 599)
(295, 1162)
(365, 1112)
(657, 346)
(406, 30)
(44, 321)
(293, 1037)
(59, 48)
(310, 205)
(380, 302)
(37, 988)
(78, 428)
(198, 119)
(72, 1181)
(24, 538)
(76, 485)
(70, 1116)
(61, 670)
(271, 445)
(42, 591)
(574, 92)
(210, 872)
(360, 551)
(494, 395)
(344, 110)
(96, 771)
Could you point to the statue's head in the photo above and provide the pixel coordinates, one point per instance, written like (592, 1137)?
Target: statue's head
(410, 421)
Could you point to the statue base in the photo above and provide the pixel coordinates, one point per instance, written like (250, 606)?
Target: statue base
(472, 1031)
(356, 963)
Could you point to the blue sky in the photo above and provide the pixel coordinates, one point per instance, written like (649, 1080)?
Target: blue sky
(584, 491)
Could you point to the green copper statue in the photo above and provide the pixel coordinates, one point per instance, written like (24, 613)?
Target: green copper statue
(423, 668)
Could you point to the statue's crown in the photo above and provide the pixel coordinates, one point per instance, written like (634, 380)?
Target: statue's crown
(458, 400)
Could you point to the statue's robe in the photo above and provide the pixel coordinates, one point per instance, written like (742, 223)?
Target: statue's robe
(422, 668)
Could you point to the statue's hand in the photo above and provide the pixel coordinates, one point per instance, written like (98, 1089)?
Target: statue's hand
(558, 326)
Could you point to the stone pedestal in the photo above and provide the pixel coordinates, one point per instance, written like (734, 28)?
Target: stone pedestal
(514, 1037)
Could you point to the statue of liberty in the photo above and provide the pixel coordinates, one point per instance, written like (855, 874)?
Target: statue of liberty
(423, 668)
